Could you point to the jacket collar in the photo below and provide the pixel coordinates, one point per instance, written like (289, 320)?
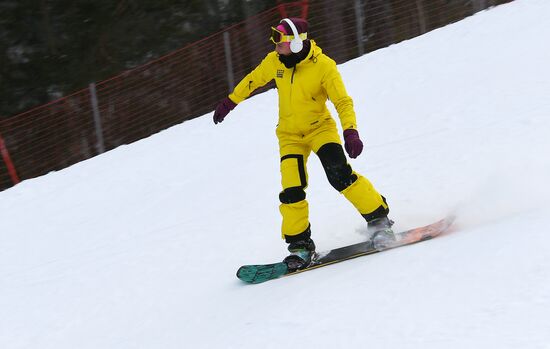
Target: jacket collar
(296, 59)
(314, 51)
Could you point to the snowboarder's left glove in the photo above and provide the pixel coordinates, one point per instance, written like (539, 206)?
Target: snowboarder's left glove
(353, 143)
(224, 107)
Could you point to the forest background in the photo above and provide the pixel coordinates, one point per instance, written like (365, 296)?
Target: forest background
(51, 48)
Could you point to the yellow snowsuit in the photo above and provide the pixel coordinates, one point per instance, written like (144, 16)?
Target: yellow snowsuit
(305, 125)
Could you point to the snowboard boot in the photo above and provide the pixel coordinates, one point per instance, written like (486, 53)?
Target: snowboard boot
(300, 256)
(382, 235)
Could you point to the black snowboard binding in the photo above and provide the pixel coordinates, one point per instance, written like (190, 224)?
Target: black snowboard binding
(301, 253)
(382, 235)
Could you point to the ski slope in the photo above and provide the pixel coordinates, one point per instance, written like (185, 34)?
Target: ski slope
(138, 247)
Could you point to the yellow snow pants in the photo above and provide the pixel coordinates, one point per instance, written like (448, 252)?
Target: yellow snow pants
(326, 143)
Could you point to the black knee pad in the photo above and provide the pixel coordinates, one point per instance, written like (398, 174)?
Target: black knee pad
(292, 195)
(337, 169)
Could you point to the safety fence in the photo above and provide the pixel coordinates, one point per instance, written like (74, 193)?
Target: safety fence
(188, 82)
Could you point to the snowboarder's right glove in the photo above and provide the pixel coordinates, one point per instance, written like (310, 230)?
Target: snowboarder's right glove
(353, 143)
(224, 107)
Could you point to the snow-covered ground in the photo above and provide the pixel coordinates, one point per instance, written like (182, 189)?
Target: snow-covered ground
(138, 248)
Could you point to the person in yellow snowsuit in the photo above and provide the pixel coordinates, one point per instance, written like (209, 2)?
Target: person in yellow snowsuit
(305, 79)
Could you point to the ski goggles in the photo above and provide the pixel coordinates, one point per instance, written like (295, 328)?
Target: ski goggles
(278, 36)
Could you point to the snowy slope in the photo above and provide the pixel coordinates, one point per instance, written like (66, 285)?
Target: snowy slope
(138, 248)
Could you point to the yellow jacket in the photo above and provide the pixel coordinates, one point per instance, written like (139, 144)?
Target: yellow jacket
(303, 91)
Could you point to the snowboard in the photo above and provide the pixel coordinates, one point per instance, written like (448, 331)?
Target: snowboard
(258, 273)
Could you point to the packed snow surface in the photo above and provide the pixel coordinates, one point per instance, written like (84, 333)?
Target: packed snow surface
(138, 247)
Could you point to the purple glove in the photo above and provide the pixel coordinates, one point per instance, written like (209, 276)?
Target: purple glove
(353, 143)
(224, 107)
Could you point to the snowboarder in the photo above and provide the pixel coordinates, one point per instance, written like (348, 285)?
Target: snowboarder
(305, 78)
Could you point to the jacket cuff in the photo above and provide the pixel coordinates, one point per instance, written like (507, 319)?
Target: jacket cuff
(235, 99)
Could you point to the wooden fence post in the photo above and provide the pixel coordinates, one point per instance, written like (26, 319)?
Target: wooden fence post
(97, 119)
(359, 27)
(228, 61)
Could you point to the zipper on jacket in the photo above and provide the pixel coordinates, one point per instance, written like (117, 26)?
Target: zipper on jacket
(291, 83)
